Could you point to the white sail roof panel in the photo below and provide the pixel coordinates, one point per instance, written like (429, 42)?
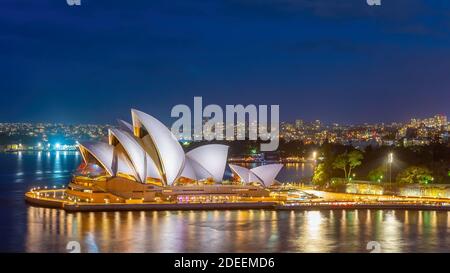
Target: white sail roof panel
(101, 151)
(243, 173)
(169, 150)
(267, 173)
(264, 174)
(213, 158)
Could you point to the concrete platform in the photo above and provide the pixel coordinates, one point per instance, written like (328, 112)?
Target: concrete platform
(70, 206)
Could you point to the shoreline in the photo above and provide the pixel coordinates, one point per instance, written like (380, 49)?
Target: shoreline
(70, 206)
(382, 206)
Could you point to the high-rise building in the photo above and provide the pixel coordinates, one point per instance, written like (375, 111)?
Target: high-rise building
(440, 120)
(299, 123)
(317, 124)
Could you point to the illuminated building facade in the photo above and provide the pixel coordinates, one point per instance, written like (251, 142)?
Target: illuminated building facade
(144, 162)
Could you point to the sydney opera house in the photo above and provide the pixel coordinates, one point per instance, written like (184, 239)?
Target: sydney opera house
(144, 162)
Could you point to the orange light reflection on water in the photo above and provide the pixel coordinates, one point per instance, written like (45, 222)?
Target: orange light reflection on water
(49, 230)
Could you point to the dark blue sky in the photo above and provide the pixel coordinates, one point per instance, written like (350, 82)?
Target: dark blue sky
(334, 60)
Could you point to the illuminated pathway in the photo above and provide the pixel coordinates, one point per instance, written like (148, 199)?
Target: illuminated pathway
(325, 200)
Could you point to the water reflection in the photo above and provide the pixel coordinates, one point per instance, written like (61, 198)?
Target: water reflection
(19, 173)
(49, 230)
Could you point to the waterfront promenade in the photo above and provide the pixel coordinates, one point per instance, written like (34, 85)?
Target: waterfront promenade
(325, 200)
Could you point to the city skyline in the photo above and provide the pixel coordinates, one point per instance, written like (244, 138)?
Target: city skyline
(48, 136)
(293, 120)
(332, 61)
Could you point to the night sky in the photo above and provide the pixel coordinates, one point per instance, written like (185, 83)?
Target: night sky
(333, 60)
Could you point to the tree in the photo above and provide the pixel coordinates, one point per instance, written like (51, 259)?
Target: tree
(320, 177)
(415, 175)
(341, 163)
(354, 160)
(377, 174)
(348, 161)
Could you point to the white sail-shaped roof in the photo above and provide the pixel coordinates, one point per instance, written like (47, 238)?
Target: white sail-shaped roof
(148, 149)
(188, 170)
(267, 173)
(264, 174)
(164, 145)
(102, 152)
(152, 170)
(113, 160)
(213, 158)
(200, 172)
(122, 163)
(195, 171)
(243, 173)
(125, 126)
(133, 150)
(142, 163)
(254, 178)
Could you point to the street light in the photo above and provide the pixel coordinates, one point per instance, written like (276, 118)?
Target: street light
(314, 157)
(390, 161)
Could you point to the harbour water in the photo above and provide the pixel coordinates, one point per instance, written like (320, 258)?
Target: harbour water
(30, 229)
